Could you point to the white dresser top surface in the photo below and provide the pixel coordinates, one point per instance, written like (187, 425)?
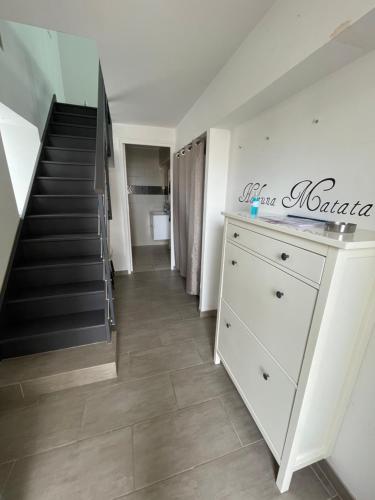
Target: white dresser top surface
(303, 229)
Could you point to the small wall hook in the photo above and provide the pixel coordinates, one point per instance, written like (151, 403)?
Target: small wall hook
(315, 121)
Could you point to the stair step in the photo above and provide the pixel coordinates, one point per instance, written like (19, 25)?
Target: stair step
(63, 203)
(55, 332)
(58, 271)
(57, 263)
(84, 156)
(59, 223)
(74, 108)
(64, 169)
(58, 370)
(71, 141)
(64, 185)
(59, 299)
(70, 289)
(58, 246)
(70, 129)
(74, 118)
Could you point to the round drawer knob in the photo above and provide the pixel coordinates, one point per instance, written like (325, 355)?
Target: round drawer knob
(279, 294)
(234, 262)
(266, 376)
(228, 325)
(236, 235)
(284, 256)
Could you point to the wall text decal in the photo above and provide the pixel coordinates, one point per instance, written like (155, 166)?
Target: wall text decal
(309, 195)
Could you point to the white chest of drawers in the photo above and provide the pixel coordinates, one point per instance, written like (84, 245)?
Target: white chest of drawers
(296, 309)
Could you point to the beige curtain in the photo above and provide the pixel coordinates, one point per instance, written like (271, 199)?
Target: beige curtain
(188, 188)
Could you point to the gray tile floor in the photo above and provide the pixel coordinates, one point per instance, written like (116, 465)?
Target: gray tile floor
(151, 258)
(171, 427)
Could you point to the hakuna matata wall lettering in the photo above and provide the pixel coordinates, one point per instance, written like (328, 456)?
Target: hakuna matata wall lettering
(309, 195)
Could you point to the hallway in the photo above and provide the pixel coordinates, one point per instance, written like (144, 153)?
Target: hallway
(151, 258)
(171, 427)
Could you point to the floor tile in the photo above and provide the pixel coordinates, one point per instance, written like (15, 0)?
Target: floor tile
(245, 474)
(127, 403)
(250, 474)
(180, 487)
(161, 359)
(11, 397)
(189, 311)
(319, 472)
(199, 329)
(205, 349)
(141, 341)
(172, 443)
(94, 469)
(200, 383)
(105, 465)
(39, 428)
(5, 470)
(45, 476)
(240, 417)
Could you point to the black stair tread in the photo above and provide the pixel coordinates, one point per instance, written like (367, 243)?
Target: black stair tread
(51, 178)
(65, 136)
(79, 163)
(84, 115)
(60, 215)
(71, 261)
(58, 237)
(73, 125)
(54, 324)
(68, 149)
(83, 106)
(54, 291)
(39, 195)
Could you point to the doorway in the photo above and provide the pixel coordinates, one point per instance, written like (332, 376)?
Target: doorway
(148, 177)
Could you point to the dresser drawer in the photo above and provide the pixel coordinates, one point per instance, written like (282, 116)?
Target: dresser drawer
(276, 307)
(267, 391)
(303, 262)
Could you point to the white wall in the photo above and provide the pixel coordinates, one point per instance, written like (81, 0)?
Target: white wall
(120, 228)
(21, 144)
(353, 458)
(143, 169)
(217, 153)
(289, 33)
(79, 68)
(283, 146)
(30, 71)
(9, 214)
(341, 145)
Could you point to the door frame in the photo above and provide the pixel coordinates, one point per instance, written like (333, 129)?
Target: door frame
(122, 142)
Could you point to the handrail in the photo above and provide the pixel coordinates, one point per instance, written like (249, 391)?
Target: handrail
(104, 149)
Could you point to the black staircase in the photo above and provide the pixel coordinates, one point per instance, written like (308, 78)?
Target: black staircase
(59, 291)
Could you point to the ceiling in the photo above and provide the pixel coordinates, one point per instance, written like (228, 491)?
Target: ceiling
(158, 56)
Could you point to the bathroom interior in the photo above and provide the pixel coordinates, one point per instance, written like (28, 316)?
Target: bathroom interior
(148, 183)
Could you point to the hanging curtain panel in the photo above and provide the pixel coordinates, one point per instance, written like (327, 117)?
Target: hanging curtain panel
(176, 225)
(195, 218)
(183, 187)
(188, 189)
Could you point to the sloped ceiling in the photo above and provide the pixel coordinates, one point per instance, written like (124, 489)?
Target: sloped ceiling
(157, 56)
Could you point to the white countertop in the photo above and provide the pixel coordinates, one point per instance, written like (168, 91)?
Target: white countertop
(360, 239)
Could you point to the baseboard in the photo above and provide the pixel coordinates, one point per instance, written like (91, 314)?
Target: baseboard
(208, 314)
(334, 479)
